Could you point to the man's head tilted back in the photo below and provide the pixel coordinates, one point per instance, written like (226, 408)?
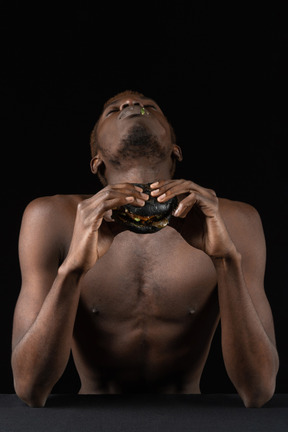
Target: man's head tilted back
(132, 133)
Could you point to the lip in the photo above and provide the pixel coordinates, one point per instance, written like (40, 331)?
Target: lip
(131, 110)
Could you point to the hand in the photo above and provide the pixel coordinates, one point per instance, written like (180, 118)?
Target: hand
(215, 240)
(85, 248)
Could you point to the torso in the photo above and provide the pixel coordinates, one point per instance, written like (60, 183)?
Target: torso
(147, 315)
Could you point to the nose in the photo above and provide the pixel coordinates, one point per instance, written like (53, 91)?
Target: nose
(130, 102)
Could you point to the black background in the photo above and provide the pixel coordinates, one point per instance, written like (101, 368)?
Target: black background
(219, 72)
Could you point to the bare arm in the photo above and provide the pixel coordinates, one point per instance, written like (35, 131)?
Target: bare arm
(232, 236)
(47, 305)
(248, 339)
(46, 308)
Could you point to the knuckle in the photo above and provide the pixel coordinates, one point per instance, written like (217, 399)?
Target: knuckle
(103, 207)
(80, 207)
(192, 193)
(100, 207)
(212, 192)
(216, 203)
(106, 194)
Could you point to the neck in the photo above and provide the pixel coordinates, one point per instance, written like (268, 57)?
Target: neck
(140, 173)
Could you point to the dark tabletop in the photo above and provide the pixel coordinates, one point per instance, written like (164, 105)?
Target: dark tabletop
(181, 413)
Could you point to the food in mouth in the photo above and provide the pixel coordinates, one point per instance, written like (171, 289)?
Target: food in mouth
(150, 218)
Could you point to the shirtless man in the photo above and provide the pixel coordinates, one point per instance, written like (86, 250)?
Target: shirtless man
(139, 311)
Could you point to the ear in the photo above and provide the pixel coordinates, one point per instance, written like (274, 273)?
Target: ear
(177, 152)
(95, 163)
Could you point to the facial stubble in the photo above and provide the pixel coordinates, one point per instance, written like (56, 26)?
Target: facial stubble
(138, 143)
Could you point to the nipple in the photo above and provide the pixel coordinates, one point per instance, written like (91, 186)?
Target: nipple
(95, 311)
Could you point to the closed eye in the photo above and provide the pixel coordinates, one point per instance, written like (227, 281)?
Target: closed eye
(111, 110)
(150, 106)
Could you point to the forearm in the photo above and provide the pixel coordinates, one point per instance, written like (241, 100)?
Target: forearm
(249, 350)
(40, 357)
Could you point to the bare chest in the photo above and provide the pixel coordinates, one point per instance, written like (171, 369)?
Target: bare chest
(158, 275)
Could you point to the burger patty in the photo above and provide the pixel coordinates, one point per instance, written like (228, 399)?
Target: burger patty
(143, 219)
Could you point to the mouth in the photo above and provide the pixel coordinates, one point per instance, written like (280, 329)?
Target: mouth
(133, 111)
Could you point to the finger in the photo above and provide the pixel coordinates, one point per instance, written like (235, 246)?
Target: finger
(123, 187)
(207, 205)
(122, 199)
(160, 184)
(105, 207)
(184, 207)
(135, 201)
(171, 189)
(164, 189)
(124, 192)
(130, 186)
(108, 216)
(167, 190)
(110, 198)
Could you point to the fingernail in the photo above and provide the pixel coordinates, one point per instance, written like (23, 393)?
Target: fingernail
(145, 196)
(154, 192)
(153, 185)
(177, 210)
(140, 201)
(129, 198)
(162, 197)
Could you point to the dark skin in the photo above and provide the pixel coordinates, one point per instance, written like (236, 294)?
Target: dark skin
(139, 311)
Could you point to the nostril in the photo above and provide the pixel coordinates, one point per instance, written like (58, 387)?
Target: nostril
(129, 103)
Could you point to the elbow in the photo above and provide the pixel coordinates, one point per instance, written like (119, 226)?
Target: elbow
(257, 396)
(256, 400)
(256, 389)
(28, 387)
(33, 397)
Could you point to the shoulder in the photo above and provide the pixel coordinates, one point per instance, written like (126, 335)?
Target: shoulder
(46, 230)
(55, 207)
(239, 213)
(53, 202)
(49, 218)
(244, 225)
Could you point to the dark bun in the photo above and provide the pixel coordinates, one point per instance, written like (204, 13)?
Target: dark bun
(147, 219)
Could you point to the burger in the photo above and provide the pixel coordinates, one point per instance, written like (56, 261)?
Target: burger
(150, 218)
